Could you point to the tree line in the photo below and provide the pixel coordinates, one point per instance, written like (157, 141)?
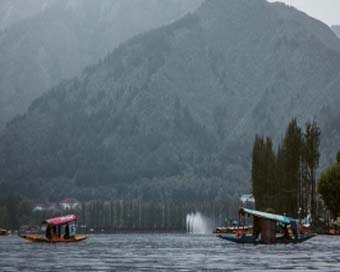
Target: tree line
(14, 211)
(121, 215)
(284, 180)
(329, 188)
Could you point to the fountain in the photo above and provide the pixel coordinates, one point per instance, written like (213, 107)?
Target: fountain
(197, 223)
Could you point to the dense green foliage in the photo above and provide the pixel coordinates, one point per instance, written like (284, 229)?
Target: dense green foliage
(329, 188)
(285, 181)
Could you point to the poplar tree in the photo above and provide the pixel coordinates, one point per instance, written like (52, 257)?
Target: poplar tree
(258, 172)
(263, 175)
(291, 149)
(285, 181)
(329, 188)
(311, 157)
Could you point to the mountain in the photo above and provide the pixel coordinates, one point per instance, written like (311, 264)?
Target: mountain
(172, 113)
(42, 42)
(336, 29)
(15, 11)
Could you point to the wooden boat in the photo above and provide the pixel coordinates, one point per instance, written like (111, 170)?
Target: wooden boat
(250, 239)
(268, 229)
(4, 232)
(41, 239)
(233, 230)
(57, 230)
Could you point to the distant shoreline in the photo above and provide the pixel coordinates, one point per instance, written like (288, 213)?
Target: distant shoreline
(138, 232)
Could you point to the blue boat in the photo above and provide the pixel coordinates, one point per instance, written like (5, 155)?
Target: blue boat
(268, 228)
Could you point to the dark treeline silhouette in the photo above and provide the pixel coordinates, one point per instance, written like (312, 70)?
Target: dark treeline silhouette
(121, 215)
(14, 211)
(150, 216)
(285, 180)
(329, 188)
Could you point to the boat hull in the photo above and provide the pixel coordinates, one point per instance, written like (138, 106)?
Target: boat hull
(234, 230)
(252, 239)
(4, 232)
(41, 239)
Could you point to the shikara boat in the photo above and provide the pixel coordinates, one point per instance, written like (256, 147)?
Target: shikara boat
(268, 229)
(4, 232)
(57, 230)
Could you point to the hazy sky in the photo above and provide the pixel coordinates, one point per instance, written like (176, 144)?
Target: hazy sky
(327, 11)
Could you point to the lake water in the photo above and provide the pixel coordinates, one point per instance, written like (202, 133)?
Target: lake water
(167, 252)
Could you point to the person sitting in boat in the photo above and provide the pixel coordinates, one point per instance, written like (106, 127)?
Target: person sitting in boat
(286, 234)
(51, 232)
(48, 232)
(54, 232)
(67, 232)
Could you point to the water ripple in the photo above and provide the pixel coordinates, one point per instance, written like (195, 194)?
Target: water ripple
(167, 252)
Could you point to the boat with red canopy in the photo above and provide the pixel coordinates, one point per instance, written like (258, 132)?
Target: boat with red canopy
(57, 230)
(4, 232)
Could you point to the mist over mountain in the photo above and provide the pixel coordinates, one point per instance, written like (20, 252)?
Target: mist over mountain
(42, 42)
(14, 11)
(336, 29)
(172, 113)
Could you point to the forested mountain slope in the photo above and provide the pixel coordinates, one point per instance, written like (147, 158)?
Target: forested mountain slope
(336, 29)
(173, 113)
(42, 42)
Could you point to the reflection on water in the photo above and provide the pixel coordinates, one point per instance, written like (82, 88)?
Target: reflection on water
(167, 252)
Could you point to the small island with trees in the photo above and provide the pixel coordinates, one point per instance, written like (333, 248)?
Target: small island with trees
(285, 180)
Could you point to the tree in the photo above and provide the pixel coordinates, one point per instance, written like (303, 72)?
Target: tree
(12, 210)
(256, 172)
(285, 180)
(263, 175)
(311, 156)
(3, 217)
(292, 149)
(24, 210)
(329, 189)
(280, 180)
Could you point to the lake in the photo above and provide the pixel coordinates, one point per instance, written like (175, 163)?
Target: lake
(167, 252)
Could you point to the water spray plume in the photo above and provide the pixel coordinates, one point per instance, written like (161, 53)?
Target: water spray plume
(197, 224)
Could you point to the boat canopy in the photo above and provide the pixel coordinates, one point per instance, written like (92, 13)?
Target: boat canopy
(60, 220)
(269, 216)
